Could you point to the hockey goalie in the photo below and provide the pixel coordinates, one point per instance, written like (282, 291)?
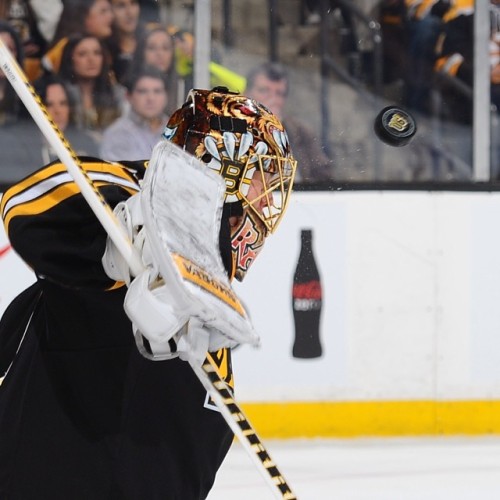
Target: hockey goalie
(98, 400)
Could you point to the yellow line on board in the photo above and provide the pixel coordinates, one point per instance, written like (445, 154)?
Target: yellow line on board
(373, 418)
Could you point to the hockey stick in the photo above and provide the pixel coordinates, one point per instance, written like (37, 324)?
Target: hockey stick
(240, 426)
(207, 374)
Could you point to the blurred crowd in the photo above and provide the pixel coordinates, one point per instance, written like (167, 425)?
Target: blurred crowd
(429, 45)
(429, 49)
(108, 72)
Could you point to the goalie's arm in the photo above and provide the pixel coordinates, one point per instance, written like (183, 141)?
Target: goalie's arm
(52, 227)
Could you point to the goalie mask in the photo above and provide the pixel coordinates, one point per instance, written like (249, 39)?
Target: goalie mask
(248, 146)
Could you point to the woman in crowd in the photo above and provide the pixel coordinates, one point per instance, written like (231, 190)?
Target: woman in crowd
(54, 95)
(84, 67)
(127, 30)
(157, 49)
(92, 17)
(23, 146)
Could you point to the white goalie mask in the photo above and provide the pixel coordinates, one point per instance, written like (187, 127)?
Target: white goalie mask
(248, 146)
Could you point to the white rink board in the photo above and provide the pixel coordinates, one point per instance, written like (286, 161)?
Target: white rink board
(411, 288)
(411, 294)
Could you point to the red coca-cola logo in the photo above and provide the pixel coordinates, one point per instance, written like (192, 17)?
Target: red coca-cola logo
(310, 290)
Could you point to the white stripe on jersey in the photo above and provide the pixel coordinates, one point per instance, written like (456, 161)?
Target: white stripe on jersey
(42, 188)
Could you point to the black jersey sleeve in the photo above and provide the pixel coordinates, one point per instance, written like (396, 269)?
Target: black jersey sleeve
(53, 229)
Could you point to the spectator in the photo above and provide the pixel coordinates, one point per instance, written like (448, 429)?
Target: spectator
(98, 100)
(92, 17)
(157, 49)
(127, 30)
(455, 51)
(55, 97)
(22, 144)
(21, 16)
(10, 105)
(425, 23)
(134, 135)
(411, 30)
(392, 16)
(268, 84)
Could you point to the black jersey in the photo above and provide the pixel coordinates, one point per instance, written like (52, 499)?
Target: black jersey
(82, 414)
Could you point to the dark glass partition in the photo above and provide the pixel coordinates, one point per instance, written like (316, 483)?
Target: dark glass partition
(326, 67)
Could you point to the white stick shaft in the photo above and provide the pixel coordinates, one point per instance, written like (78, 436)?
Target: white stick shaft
(56, 139)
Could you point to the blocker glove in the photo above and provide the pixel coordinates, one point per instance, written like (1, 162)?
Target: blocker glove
(162, 331)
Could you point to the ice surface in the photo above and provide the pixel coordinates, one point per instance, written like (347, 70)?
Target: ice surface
(370, 469)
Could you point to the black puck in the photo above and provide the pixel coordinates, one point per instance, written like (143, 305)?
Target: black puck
(394, 126)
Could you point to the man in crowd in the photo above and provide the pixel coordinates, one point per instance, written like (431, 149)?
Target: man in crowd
(134, 135)
(268, 83)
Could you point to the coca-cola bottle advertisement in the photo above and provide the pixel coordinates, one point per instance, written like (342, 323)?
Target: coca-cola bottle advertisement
(307, 302)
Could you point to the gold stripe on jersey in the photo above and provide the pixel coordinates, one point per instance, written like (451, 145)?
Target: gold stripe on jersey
(46, 202)
(56, 168)
(30, 181)
(32, 202)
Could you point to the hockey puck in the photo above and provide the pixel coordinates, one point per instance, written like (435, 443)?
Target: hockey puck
(394, 126)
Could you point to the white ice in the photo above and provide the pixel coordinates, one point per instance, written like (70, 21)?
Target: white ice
(370, 469)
